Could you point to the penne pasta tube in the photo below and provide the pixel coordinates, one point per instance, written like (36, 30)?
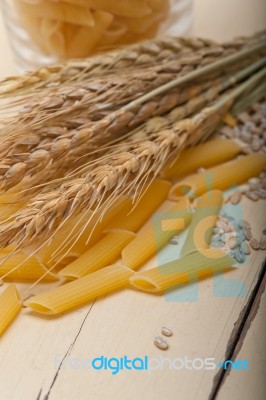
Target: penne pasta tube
(30, 269)
(152, 198)
(132, 8)
(87, 38)
(184, 270)
(81, 291)
(204, 155)
(103, 253)
(221, 177)
(112, 35)
(10, 306)
(151, 239)
(204, 219)
(71, 13)
(139, 26)
(52, 32)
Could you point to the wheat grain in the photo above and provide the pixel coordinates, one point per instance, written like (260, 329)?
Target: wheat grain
(118, 122)
(141, 54)
(121, 171)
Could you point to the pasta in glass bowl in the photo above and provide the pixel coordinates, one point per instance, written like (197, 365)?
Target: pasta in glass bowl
(47, 31)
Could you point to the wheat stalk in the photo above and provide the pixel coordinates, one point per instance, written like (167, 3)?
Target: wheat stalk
(121, 172)
(142, 54)
(77, 142)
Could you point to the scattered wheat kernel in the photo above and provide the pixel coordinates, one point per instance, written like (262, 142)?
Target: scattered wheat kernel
(253, 181)
(174, 240)
(201, 170)
(252, 196)
(236, 197)
(254, 243)
(166, 331)
(247, 248)
(160, 343)
(263, 242)
(246, 224)
(248, 234)
(231, 243)
(243, 188)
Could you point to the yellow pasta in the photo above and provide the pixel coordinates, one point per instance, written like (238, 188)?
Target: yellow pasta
(10, 306)
(203, 221)
(204, 155)
(52, 33)
(152, 198)
(186, 269)
(112, 35)
(139, 26)
(87, 38)
(103, 253)
(152, 238)
(220, 177)
(81, 291)
(63, 12)
(85, 26)
(131, 8)
(30, 269)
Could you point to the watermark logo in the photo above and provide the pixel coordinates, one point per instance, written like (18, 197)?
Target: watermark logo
(233, 216)
(116, 365)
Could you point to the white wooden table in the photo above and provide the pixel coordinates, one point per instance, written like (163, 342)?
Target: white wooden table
(36, 353)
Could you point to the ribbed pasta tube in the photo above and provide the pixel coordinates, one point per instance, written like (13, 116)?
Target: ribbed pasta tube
(204, 155)
(203, 221)
(103, 253)
(81, 291)
(183, 270)
(221, 177)
(10, 306)
(152, 238)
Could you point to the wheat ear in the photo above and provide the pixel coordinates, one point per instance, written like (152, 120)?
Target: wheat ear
(142, 54)
(120, 121)
(121, 174)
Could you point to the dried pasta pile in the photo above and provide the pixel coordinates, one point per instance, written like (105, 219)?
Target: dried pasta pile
(77, 28)
(95, 181)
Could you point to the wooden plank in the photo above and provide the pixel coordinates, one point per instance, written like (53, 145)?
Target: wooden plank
(251, 346)
(125, 323)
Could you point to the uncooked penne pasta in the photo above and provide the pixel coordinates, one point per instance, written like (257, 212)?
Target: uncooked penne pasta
(221, 177)
(131, 8)
(105, 252)
(52, 33)
(112, 35)
(203, 221)
(152, 198)
(81, 291)
(10, 306)
(153, 237)
(86, 38)
(204, 155)
(186, 269)
(63, 12)
(139, 26)
(19, 268)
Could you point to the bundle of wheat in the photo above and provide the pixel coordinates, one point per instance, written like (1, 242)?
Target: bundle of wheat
(88, 131)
